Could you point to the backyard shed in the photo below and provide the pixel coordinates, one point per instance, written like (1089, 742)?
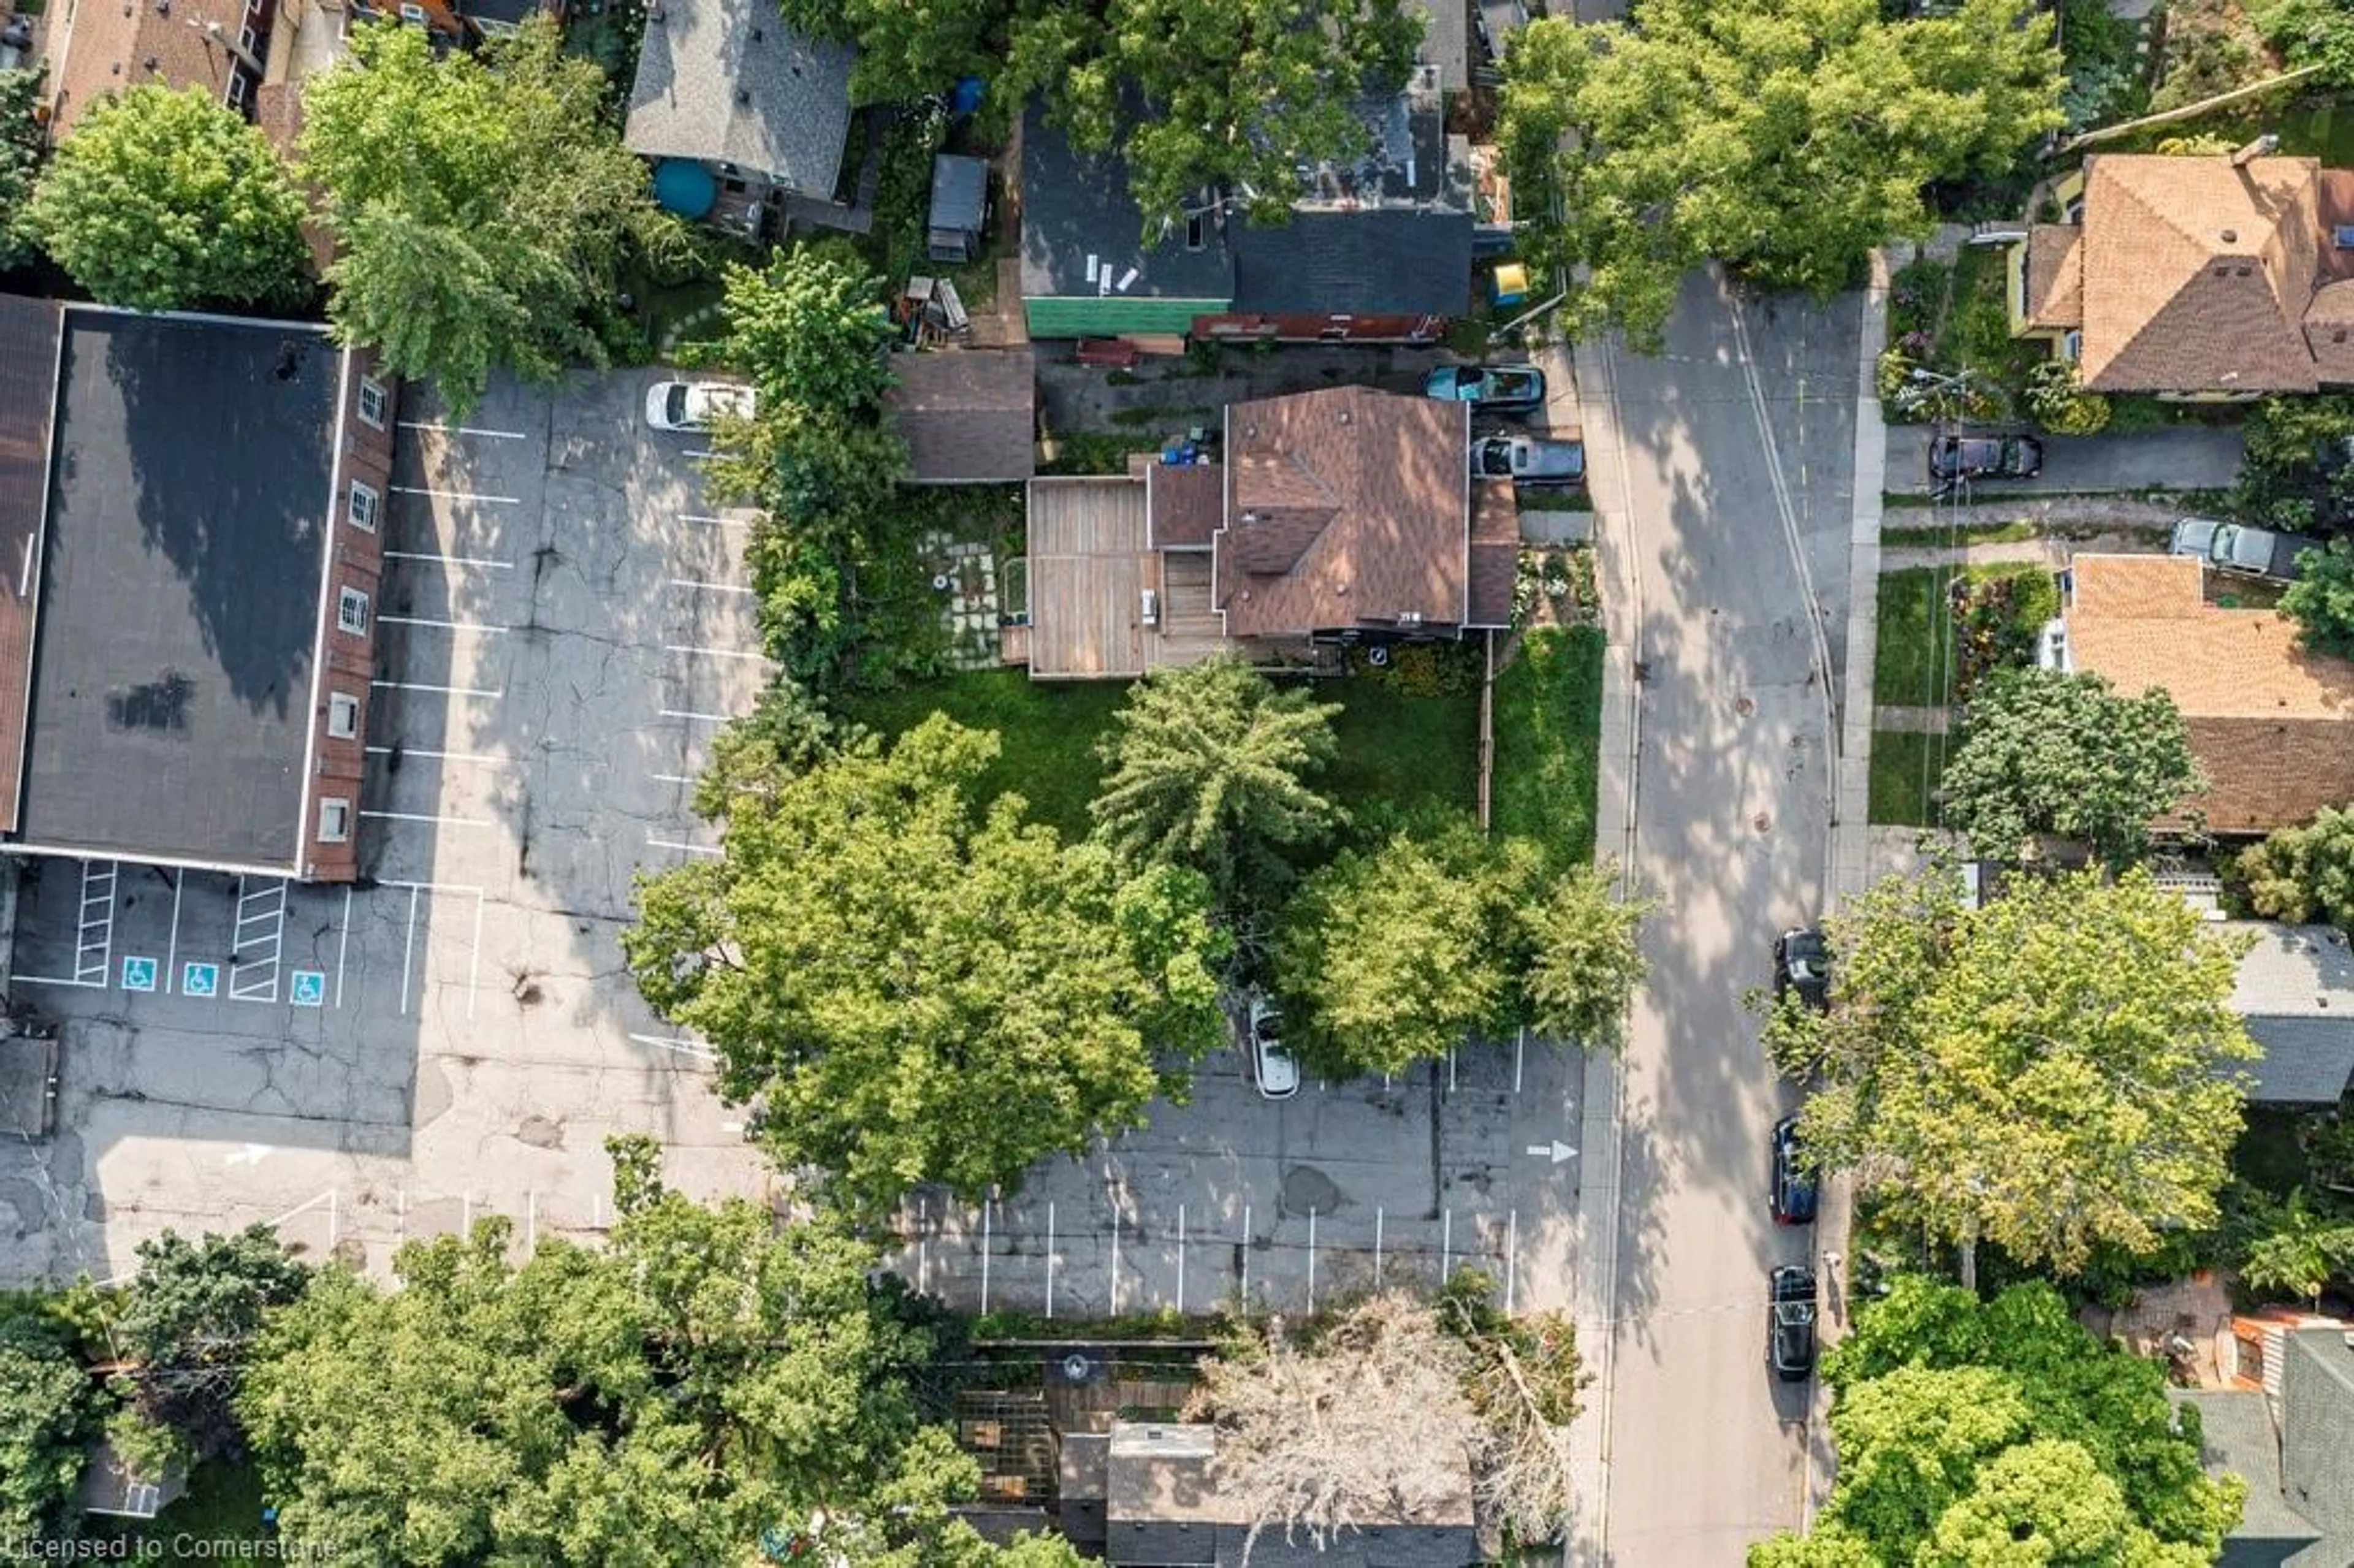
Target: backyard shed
(959, 208)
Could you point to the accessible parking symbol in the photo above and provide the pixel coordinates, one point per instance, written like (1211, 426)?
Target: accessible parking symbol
(138, 974)
(310, 988)
(199, 979)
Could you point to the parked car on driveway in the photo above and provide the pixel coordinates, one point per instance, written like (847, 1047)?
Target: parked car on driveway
(1271, 1065)
(1793, 1335)
(692, 405)
(1802, 963)
(1954, 459)
(1792, 1196)
(2236, 547)
(1535, 462)
(1491, 388)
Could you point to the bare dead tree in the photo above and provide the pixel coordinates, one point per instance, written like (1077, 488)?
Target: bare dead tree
(1366, 1424)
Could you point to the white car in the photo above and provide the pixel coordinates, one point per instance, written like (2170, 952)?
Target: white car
(1278, 1073)
(690, 405)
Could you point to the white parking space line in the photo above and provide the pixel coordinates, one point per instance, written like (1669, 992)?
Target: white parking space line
(428, 817)
(700, 718)
(462, 430)
(705, 455)
(457, 495)
(261, 928)
(682, 846)
(743, 521)
(443, 625)
(684, 1047)
(438, 756)
(484, 563)
(97, 893)
(444, 691)
(172, 952)
(408, 939)
(672, 778)
(706, 652)
(698, 585)
(343, 946)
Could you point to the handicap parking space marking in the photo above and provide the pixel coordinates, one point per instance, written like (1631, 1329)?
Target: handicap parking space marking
(199, 978)
(138, 974)
(310, 988)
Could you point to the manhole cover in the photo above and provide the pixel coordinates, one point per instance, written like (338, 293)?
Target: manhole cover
(1762, 823)
(1744, 706)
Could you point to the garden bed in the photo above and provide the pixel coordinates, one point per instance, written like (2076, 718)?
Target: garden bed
(1939, 632)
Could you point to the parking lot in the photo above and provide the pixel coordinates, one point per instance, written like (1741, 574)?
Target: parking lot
(563, 625)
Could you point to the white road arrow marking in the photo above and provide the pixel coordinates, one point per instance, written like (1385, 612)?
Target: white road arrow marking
(251, 1154)
(1557, 1150)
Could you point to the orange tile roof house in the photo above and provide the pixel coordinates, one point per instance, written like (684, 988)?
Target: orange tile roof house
(2198, 277)
(2272, 727)
(1340, 515)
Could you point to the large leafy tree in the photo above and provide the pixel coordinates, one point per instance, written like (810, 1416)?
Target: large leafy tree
(2048, 1073)
(187, 1324)
(20, 158)
(2321, 601)
(916, 988)
(1210, 768)
(2044, 752)
(161, 199)
(707, 1386)
(1783, 137)
(809, 328)
(1394, 954)
(1583, 956)
(2306, 874)
(482, 204)
(47, 1415)
(1972, 1432)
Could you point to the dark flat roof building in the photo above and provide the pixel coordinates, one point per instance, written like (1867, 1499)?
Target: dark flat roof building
(195, 580)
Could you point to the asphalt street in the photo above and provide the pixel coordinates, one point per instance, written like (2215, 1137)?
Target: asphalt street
(1731, 510)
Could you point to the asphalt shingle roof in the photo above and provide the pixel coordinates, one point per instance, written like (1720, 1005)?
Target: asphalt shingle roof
(725, 82)
(1082, 233)
(2306, 1061)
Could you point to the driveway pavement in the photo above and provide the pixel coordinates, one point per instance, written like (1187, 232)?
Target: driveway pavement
(2184, 457)
(562, 625)
(1726, 509)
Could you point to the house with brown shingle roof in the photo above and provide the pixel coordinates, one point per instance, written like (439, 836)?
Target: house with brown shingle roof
(2226, 277)
(1342, 515)
(102, 48)
(2271, 725)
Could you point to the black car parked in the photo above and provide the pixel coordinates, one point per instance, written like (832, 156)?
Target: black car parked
(1802, 963)
(1793, 1192)
(1956, 459)
(1793, 1337)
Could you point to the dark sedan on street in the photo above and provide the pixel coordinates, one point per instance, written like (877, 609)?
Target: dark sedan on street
(1793, 1336)
(1802, 963)
(1792, 1193)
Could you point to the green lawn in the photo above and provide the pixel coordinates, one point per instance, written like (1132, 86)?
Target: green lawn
(1913, 663)
(1548, 720)
(1406, 752)
(1905, 765)
(1402, 752)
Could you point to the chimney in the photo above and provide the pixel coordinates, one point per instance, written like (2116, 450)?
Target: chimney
(2263, 146)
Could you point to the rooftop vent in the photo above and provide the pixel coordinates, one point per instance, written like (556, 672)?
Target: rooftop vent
(2231, 237)
(759, 35)
(743, 95)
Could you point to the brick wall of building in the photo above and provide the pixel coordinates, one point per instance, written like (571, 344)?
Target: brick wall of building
(363, 442)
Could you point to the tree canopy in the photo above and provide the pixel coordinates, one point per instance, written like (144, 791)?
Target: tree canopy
(2046, 1072)
(2043, 752)
(48, 1413)
(1396, 953)
(1784, 138)
(2321, 601)
(2305, 874)
(188, 1320)
(161, 199)
(711, 1386)
(809, 328)
(21, 143)
(917, 988)
(483, 203)
(1207, 766)
(1971, 1432)
(1195, 93)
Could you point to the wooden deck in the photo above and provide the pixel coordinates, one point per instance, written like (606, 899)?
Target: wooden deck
(1088, 573)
